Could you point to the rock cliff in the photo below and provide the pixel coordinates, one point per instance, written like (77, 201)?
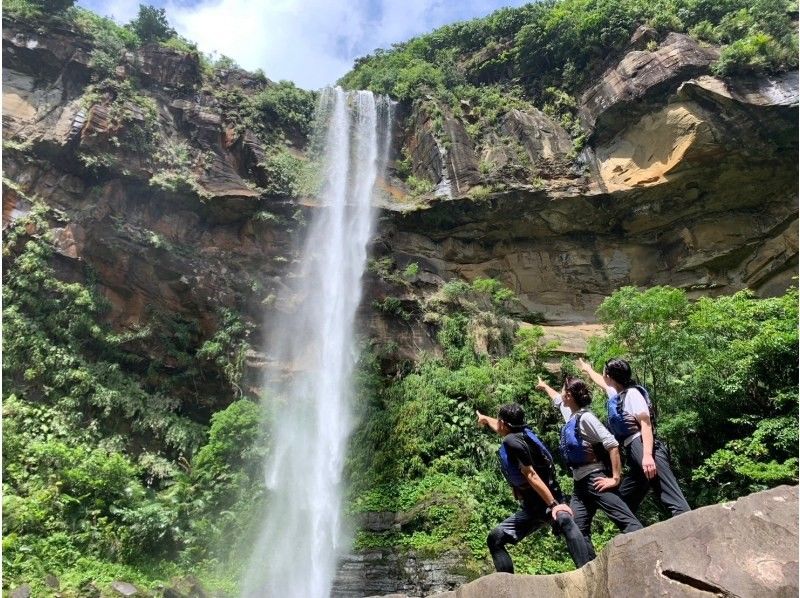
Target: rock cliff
(687, 180)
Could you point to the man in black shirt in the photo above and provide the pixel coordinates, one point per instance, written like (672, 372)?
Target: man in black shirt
(528, 467)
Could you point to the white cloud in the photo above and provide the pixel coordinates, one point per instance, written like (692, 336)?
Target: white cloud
(122, 11)
(289, 39)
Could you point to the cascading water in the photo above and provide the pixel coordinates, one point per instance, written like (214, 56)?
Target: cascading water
(302, 534)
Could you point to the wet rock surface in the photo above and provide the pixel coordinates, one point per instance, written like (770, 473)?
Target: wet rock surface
(381, 572)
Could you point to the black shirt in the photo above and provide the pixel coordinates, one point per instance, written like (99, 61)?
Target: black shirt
(523, 452)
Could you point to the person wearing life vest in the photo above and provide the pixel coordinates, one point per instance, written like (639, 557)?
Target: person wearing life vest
(529, 469)
(583, 437)
(630, 418)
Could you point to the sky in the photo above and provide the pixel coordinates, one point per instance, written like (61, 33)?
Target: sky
(310, 42)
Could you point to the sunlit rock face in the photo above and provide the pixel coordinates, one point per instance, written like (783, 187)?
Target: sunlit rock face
(687, 180)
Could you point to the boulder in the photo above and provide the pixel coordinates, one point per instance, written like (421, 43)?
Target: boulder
(123, 588)
(746, 548)
(51, 581)
(186, 587)
(639, 76)
(23, 591)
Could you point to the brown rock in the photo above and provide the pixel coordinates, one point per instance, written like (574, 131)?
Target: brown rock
(779, 90)
(426, 157)
(168, 67)
(643, 35)
(640, 75)
(543, 138)
(462, 165)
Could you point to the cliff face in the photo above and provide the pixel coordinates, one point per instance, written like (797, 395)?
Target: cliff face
(686, 180)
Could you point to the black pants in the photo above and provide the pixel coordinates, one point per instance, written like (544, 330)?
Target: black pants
(635, 485)
(522, 523)
(585, 502)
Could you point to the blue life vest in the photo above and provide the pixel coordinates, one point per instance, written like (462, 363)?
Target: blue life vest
(621, 423)
(511, 471)
(575, 450)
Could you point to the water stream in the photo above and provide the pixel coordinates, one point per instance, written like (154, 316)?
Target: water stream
(303, 535)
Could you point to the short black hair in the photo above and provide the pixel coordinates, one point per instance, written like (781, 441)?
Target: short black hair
(512, 414)
(619, 371)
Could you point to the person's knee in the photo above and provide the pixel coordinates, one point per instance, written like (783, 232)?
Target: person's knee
(497, 539)
(566, 522)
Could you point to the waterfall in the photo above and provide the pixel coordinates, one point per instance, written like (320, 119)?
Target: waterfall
(302, 534)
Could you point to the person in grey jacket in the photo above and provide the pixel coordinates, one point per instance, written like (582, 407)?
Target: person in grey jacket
(582, 437)
(630, 417)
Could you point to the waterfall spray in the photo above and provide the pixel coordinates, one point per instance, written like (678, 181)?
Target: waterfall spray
(301, 536)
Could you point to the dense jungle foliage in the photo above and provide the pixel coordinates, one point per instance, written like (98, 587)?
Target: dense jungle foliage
(723, 374)
(117, 462)
(565, 44)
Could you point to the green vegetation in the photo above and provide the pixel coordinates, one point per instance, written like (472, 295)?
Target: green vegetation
(563, 43)
(151, 25)
(287, 106)
(107, 472)
(106, 475)
(418, 450)
(177, 169)
(723, 374)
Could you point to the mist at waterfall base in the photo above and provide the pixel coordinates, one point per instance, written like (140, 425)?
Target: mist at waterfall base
(303, 535)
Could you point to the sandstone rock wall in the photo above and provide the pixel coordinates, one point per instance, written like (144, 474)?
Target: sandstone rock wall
(687, 180)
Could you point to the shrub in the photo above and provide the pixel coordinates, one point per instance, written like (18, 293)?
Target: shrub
(151, 24)
(286, 106)
(53, 6)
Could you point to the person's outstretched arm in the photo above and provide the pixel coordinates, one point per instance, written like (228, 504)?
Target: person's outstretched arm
(485, 420)
(589, 371)
(555, 397)
(551, 392)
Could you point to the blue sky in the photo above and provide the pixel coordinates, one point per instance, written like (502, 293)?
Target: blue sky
(311, 42)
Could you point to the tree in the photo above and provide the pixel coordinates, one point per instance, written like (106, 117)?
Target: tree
(151, 25)
(53, 6)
